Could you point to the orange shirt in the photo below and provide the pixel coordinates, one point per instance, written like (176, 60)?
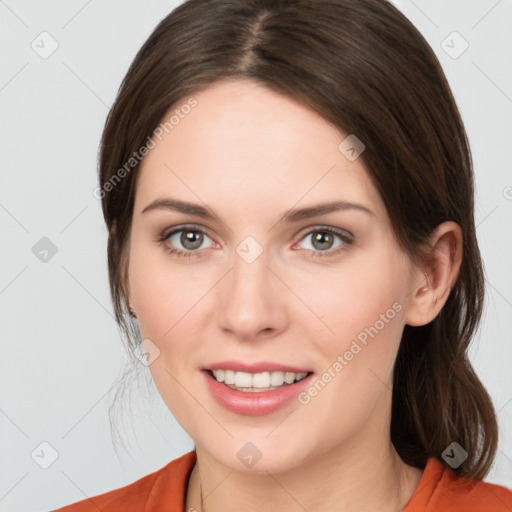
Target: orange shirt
(439, 490)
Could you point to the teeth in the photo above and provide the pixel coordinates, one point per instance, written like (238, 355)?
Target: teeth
(257, 380)
(243, 380)
(289, 377)
(277, 378)
(229, 376)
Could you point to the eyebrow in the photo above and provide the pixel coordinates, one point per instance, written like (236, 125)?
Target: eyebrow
(293, 215)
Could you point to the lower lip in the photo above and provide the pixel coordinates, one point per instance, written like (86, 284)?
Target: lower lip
(254, 404)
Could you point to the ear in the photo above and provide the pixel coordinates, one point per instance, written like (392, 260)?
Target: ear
(436, 276)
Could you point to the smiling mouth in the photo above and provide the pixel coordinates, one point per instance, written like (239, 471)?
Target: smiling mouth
(257, 382)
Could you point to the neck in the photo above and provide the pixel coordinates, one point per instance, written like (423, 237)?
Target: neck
(379, 481)
(363, 472)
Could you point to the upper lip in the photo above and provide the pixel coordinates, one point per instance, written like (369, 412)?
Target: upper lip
(262, 366)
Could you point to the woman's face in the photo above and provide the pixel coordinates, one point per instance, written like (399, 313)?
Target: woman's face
(262, 286)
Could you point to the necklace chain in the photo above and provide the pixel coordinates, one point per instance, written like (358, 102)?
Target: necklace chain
(200, 489)
(201, 509)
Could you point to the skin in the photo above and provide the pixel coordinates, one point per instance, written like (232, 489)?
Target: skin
(250, 154)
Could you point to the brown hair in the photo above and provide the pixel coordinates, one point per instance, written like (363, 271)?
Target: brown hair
(365, 68)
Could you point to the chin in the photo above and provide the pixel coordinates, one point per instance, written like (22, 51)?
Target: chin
(258, 456)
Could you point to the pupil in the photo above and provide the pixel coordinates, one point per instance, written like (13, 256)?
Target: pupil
(322, 237)
(188, 236)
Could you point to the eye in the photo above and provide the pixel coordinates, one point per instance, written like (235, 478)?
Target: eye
(189, 237)
(322, 239)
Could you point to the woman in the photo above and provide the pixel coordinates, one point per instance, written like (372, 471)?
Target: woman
(288, 191)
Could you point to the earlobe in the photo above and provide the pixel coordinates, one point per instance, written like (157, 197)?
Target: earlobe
(438, 275)
(126, 295)
(421, 307)
(127, 299)
(125, 284)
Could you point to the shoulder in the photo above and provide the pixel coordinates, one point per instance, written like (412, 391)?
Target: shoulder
(167, 484)
(440, 488)
(476, 495)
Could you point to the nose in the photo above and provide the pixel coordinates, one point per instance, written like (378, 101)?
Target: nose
(252, 302)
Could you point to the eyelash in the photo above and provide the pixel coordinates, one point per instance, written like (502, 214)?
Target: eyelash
(346, 239)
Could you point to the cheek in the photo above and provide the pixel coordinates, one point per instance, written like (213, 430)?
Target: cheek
(167, 301)
(351, 299)
(362, 307)
(365, 311)
(163, 293)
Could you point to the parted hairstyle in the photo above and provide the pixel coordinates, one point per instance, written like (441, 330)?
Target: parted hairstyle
(364, 67)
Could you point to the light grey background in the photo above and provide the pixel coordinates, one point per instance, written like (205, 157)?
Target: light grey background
(61, 351)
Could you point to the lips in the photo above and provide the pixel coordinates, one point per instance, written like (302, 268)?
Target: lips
(256, 400)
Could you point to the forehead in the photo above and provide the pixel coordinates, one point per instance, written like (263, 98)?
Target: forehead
(246, 145)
